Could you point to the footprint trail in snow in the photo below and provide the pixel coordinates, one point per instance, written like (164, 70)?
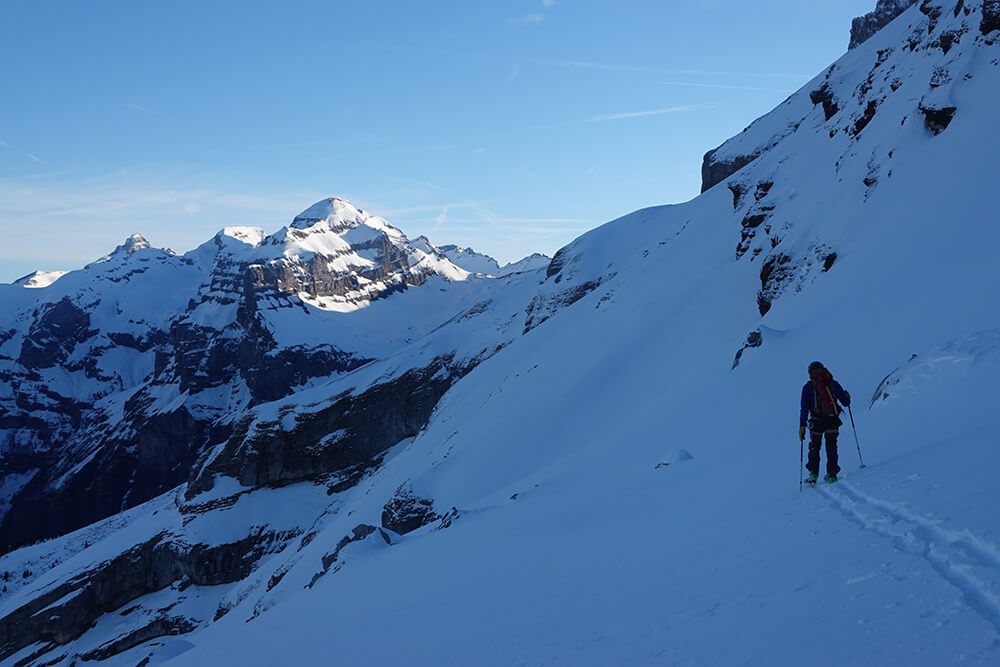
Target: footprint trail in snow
(963, 560)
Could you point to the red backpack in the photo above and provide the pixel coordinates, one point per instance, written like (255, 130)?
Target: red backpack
(824, 402)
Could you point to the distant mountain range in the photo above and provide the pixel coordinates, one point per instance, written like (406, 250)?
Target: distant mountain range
(118, 375)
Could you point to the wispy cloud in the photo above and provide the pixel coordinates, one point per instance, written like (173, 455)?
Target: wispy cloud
(137, 107)
(687, 84)
(441, 218)
(515, 72)
(616, 67)
(30, 156)
(390, 212)
(480, 214)
(584, 64)
(752, 75)
(413, 150)
(650, 112)
(534, 18)
(525, 221)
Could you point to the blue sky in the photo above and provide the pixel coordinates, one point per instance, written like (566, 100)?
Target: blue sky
(509, 126)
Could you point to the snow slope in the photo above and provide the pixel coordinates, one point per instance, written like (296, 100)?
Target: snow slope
(39, 279)
(618, 482)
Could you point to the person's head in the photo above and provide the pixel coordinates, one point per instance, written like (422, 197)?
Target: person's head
(817, 371)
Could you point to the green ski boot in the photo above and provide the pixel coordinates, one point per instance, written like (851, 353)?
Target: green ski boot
(830, 479)
(811, 479)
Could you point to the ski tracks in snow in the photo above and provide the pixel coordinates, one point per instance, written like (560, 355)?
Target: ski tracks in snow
(959, 557)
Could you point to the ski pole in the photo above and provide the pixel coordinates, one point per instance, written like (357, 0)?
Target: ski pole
(853, 428)
(801, 445)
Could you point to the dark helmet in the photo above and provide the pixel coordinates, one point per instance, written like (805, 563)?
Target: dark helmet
(815, 365)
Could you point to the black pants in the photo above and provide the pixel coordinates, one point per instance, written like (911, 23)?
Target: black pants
(832, 459)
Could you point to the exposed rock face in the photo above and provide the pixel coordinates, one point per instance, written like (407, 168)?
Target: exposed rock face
(542, 307)
(157, 460)
(359, 533)
(861, 122)
(351, 430)
(313, 276)
(938, 119)
(774, 273)
(824, 95)
(54, 335)
(991, 17)
(66, 611)
(754, 339)
(406, 511)
(758, 213)
(885, 11)
(715, 171)
(160, 627)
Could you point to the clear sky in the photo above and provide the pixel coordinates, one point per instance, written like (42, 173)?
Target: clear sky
(510, 126)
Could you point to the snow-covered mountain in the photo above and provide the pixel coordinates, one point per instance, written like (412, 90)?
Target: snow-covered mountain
(484, 265)
(532, 262)
(594, 463)
(116, 376)
(470, 260)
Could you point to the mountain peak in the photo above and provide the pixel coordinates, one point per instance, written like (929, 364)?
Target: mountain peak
(133, 243)
(251, 236)
(339, 213)
(470, 260)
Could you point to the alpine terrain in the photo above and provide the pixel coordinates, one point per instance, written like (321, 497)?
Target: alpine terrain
(334, 444)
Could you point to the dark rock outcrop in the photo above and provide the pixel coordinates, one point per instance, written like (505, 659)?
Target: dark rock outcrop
(754, 339)
(714, 171)
(824, 95)
(991, 17)
(352, 429)
(358, 533)
(158, 627)
(884, 13)
(66, 611)
(542, 307)
(774, 273)
(54, 335)
(866, 117)
(937, 119)
(406, 511)
(932, 10)
(123, 474)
